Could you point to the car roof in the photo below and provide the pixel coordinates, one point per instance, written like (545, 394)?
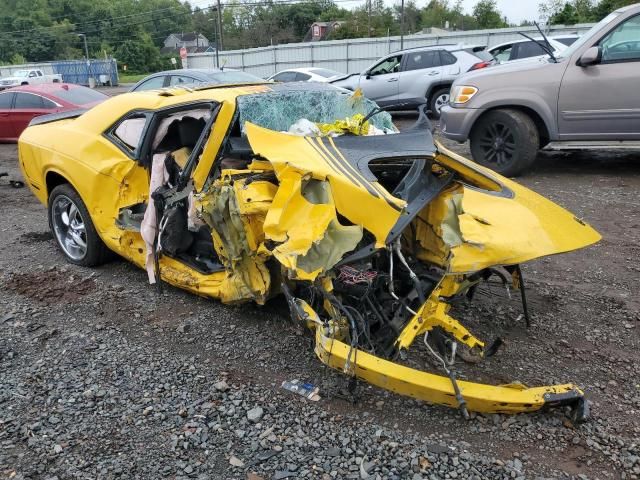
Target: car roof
(102, 116)
(451, 47)
(302, 70)
(196, 72)
(522, 40)
(45, 88)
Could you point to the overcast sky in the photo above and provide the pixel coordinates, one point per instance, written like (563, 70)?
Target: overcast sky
(514, 10)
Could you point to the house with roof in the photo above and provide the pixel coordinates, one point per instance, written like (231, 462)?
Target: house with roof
(320, 30)
(194, 42)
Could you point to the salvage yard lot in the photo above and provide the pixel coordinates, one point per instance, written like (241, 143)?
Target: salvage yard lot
(103, 377)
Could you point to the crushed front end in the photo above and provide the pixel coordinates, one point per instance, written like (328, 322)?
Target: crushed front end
(371, 238)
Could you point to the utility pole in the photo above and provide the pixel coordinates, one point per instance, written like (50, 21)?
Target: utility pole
(86, 53)
(220, 22)
(86, 49)
(402, 25)
(368, 18)
(215, 40)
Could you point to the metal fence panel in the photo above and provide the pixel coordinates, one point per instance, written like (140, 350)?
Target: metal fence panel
(355, 55)
(79, 71)
(72, 71)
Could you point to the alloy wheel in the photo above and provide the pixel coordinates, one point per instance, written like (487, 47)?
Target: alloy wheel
(497, 144)
(69, 228)
(441, 101)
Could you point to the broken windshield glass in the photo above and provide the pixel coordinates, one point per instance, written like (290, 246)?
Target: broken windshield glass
(281, 109)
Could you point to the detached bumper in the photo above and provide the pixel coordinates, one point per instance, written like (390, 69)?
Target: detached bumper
(513, 398)
(456, 123)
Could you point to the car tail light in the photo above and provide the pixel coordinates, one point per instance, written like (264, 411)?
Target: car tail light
(479, 65)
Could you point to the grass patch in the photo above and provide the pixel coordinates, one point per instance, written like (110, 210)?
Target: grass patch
(131, 77)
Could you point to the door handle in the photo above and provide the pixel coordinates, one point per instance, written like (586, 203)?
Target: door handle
(393, 80)
(432, 73)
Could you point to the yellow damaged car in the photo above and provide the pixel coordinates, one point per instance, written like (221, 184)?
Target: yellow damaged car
(245, 192)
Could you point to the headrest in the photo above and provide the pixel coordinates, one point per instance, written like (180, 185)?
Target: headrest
(189, 130)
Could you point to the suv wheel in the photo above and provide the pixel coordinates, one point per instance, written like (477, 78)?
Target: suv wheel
(73, 229)
(506, 141)
(438, 99)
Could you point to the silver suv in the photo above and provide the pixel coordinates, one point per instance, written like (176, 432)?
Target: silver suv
(409, 77)
(588, 96)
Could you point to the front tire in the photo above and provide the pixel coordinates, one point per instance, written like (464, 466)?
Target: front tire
(506, 141)
(72, 228)
(438, 99)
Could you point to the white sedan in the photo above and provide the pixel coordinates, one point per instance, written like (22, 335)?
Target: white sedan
(311, 74)
(523, 49)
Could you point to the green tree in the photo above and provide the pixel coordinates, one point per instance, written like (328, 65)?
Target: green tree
(487, 14)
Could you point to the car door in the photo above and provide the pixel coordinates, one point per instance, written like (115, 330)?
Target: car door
(420, 70)
(601, 101)
(7, 131)
(27, 106)
(381, 82)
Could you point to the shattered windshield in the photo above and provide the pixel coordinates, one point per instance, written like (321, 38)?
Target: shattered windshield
(279, 110)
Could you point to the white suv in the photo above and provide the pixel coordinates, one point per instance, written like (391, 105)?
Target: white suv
(405, 79)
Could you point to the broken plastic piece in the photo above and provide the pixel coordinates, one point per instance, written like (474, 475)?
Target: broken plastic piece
(305, 389)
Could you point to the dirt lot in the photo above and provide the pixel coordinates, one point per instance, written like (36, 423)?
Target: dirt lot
(102, 377)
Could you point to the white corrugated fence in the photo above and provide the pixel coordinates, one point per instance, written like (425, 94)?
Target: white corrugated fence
(355, 55)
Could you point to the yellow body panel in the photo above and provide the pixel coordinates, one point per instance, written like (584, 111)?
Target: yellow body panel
(433, 388)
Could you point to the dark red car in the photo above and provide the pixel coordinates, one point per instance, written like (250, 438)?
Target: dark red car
(19, 105)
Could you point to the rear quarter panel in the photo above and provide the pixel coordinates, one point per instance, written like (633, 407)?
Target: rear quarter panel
(84, 160)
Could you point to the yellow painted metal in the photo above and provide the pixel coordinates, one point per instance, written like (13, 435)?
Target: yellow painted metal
(430, 387)
(515, 227)
(310, 158)
(434, 314)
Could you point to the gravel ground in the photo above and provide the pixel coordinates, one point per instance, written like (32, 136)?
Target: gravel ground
(101, 377)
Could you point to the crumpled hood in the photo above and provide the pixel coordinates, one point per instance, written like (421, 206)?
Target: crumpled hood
(356, 196)
(480, 219)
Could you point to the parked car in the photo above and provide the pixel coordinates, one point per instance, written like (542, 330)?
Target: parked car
(28, 77)
(567, 40)
(193, 76)
(524, 49)
(312, 74)
(410, 77)
(589, 92)
(20, 105)
(211, 191)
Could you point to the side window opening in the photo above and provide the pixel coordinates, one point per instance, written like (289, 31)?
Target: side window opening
(623, 43)
(447, 58)
(503, 54)
(388, 65)
(5, 100)
(176, 143)
(421, 60)
(28, 101)
(128, 133)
